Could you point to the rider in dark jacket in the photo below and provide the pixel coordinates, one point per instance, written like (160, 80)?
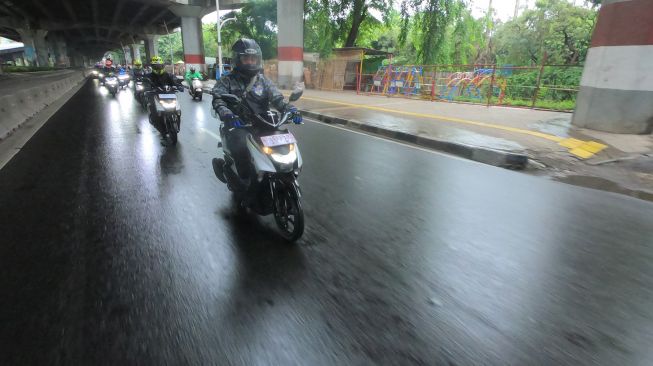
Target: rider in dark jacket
(137, 72)
(246, 80)
(156, 81)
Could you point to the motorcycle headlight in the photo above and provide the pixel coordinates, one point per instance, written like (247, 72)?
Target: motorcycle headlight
(139, 87)
(288, 158)
(94, 72)
(111, 82)
(168, 104)
(101, 75)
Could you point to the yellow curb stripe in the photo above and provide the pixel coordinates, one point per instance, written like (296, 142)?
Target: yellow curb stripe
(443, 118)
(581, 153)
(571, 143)
(593, 147)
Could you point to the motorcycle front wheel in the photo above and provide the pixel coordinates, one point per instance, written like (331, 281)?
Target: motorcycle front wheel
(289, 214)
(172, 128)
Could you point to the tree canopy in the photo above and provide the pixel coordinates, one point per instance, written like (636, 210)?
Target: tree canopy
(416, 31)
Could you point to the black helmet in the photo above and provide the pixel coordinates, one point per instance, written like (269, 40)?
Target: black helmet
(192, 69)
(247, 57)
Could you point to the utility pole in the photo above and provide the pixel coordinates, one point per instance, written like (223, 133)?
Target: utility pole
(516, 9)
(219, 24)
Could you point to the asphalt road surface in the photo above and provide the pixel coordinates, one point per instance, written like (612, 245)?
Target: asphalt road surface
(115, 250)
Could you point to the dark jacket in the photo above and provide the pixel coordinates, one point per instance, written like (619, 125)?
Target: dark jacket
(154, 80)
(137, 73)
(262, 90)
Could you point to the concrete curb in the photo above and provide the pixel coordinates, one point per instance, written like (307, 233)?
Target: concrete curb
(483, 155)
(19, 107)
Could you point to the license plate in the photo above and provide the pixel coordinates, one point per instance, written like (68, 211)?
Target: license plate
(278, 140)
(167, 96)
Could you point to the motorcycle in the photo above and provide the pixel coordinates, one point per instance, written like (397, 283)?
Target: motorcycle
(275, 164)
(123, 80)
(195, 89)
(168, 109)
(139, 92)
(111, 82)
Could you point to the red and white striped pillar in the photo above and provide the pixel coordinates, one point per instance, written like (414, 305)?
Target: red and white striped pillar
(290, 20)
(616, 91)
(191, 35)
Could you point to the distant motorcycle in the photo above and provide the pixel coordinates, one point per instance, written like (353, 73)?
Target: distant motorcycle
(195, 89)
(139, 92)
(275, 164)
(168, 109)
(123, 81)
(111, 82)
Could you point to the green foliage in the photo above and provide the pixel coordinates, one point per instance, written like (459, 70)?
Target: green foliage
(210, 38)
(558, 87)
(256, 20)
(556, 28)
(172, 40)
(428, 26)
(330, 24)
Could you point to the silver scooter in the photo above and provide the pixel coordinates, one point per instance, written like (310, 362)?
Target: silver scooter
(275, 165)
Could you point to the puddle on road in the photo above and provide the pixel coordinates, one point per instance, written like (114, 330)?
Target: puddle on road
(604, 185)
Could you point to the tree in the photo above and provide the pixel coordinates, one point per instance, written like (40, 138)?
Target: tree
(330, 23)
(172, 40)
(428, 25)
(555, 27)
(256, 20)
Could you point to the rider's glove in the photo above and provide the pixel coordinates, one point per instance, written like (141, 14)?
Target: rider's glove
(296, 116)
(232, 120)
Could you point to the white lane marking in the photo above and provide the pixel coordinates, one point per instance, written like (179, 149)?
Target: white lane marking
(211, 133)
(394, 141)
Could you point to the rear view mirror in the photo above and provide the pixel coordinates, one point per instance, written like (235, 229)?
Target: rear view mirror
(296, 94)
(230, 98)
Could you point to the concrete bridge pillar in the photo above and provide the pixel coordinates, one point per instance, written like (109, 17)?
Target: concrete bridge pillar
(36, 47)
(127, 54)
(61, 53)
(291, 42)
(616, 91)
(136, 51)
(191, 34)
(151, 47)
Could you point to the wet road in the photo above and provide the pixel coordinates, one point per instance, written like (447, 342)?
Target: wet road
(117, 251)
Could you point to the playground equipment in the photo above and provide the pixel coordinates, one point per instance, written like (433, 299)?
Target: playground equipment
(395, 80)
(470, 85)
(466, 85)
